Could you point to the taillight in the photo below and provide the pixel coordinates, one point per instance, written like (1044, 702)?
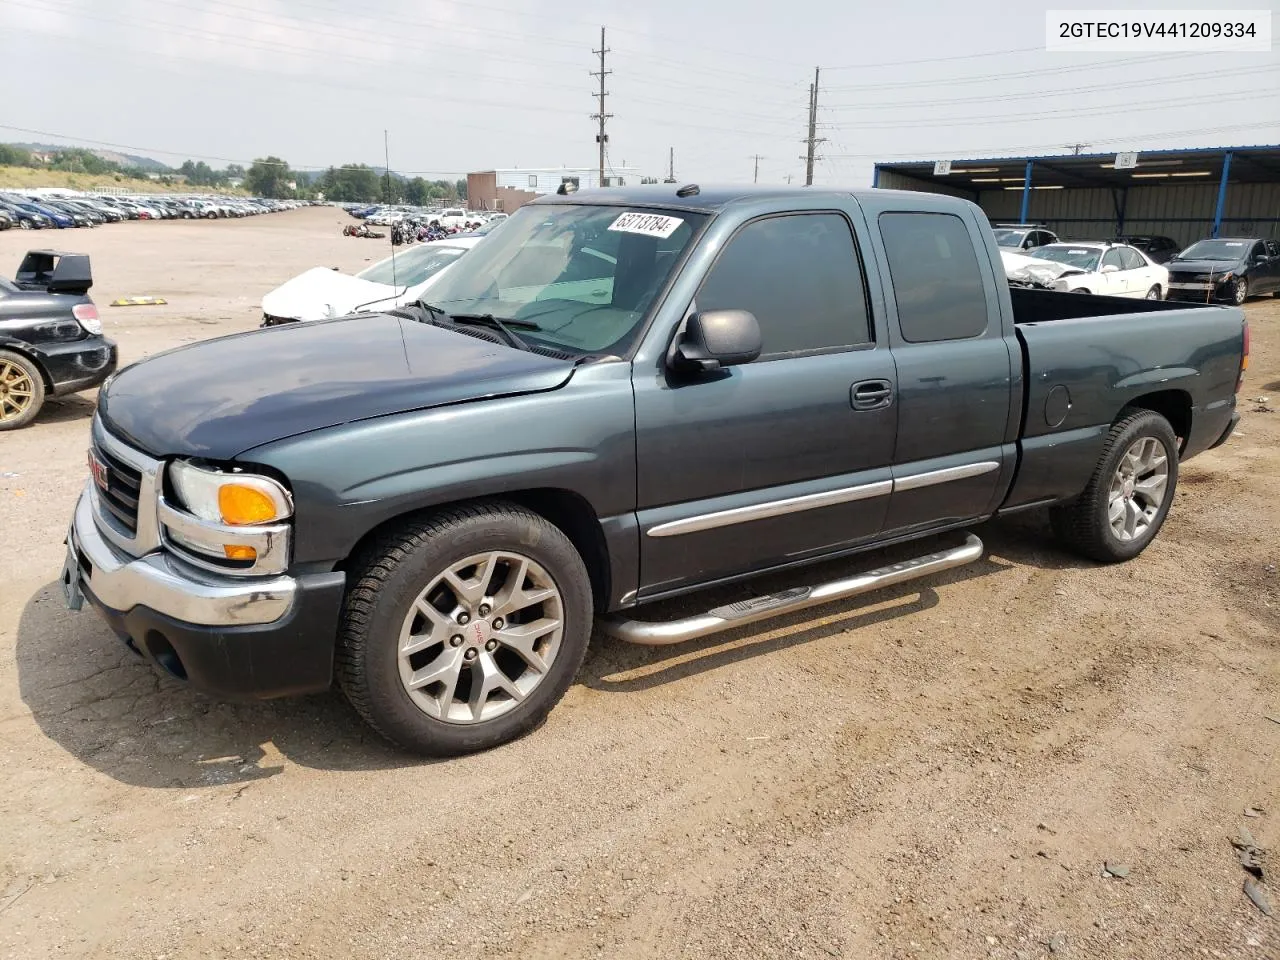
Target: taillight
(1244, 357)
(87, 314)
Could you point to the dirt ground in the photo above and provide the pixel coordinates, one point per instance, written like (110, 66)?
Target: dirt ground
(941, 773)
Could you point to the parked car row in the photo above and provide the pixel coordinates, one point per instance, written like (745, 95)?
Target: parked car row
(457, 218)
(1230, 269)
(40, 211)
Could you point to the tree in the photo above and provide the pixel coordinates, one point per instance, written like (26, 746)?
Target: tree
(460, 189)
(350, 183)
(200, 174)
(417, 192)
(269, 177)
(11, 156)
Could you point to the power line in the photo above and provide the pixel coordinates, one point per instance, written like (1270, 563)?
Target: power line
(992, 119)
(602, 138)
(1147, 82)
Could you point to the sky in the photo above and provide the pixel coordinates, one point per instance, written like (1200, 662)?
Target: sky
(462, 86)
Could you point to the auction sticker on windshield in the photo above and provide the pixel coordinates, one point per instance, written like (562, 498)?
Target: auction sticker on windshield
(647, 224)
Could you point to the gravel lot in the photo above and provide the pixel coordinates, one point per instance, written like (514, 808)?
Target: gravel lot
(942, 773)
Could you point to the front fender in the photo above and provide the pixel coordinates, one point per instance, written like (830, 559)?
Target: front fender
(350, 479)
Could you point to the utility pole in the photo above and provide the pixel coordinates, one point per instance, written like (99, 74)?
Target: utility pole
(1075, 148)
(601, 137)
(813, 139)
(756, 176)
(671, 166)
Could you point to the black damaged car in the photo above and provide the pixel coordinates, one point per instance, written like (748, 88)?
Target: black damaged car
(51, 341)
(1231, 269)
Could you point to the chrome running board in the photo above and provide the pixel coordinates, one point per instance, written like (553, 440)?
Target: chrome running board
(737, 614)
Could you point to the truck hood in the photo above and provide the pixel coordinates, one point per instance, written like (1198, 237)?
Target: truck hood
(220, 398)
(320, 294)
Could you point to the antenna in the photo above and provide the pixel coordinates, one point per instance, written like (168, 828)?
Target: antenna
(391, 229)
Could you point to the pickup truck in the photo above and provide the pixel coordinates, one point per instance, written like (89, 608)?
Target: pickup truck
(621, 396)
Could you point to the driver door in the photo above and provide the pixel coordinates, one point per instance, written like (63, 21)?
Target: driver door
(785, 458)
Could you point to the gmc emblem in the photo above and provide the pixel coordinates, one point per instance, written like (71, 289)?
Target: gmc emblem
(99, 471)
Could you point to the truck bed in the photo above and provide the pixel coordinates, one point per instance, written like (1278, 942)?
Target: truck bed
(1045, 306)
(1085, 357)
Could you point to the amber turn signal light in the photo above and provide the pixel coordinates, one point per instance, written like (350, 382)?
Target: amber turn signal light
(242, 504)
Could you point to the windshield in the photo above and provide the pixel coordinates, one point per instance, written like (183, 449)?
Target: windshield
(1226, 250)
(1086, 258)
(413, 266)
(1010, 238)
(585, 275)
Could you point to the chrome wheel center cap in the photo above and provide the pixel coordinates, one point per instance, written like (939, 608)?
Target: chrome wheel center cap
(1128, 489)
(477, 633)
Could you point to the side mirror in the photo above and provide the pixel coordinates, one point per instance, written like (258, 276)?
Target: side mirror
(1110, 268)
(716, 339)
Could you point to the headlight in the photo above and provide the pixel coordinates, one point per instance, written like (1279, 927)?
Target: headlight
(231, 497)
(1226, 276)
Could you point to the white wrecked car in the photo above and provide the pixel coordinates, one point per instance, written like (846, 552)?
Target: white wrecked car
(1091, 266)
(321, 294)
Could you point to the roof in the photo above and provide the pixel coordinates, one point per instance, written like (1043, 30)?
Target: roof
(709, 198)
(1257, 164)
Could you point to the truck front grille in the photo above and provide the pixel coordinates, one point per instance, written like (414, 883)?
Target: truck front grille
(121, 494)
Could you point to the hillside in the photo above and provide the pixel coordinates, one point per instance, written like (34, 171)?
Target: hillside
(25, 178)
(112, 156)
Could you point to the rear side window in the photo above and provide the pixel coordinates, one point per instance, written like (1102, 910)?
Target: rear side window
(800, 276)
(1130, 259)
(935, 275)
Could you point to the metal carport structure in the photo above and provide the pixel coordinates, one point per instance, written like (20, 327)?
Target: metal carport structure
(1186, 194)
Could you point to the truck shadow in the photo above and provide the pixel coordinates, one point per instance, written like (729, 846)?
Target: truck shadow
(619, 667)
(66, 409)
(102, 704)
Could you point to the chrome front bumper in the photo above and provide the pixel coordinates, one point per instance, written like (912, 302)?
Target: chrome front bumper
(166, 585)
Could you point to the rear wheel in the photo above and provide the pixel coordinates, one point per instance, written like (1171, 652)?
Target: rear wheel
(1129, 495)
(461, 631)
(21, 390)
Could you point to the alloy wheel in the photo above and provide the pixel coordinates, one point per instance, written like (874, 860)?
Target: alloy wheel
(481, 637)
(1138, 489)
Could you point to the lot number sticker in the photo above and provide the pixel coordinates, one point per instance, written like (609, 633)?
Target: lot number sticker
(647, 224)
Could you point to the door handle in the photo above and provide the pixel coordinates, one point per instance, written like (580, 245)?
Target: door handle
(871, 394)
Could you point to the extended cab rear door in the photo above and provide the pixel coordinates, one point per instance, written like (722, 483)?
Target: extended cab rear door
(958, 364)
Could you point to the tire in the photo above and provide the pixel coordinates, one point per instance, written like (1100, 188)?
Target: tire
(1240, 291)
(1086, 524)
(24, 224)
(21, 390)
(1081, 290)
(1154, 293)
(400, 576)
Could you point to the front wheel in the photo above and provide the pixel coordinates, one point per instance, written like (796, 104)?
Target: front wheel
(1154, 293)
(24, 224)
(462, 631)
(1079, 290)
(1240, 291)
(1129, 495)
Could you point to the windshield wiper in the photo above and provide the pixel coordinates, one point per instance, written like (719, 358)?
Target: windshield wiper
(431, 310)
(496, 323)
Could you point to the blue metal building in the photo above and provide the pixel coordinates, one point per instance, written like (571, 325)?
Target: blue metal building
(1184, 194)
